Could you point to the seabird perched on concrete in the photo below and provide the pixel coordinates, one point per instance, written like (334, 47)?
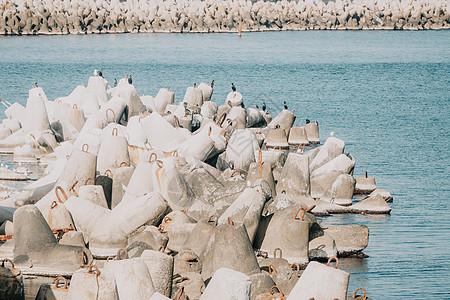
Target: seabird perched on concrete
(115, 82)
(264, 107)
(130, 80)
(212, 83)
(233, 88)
(308, 121)
(256, 106)
(285, 105)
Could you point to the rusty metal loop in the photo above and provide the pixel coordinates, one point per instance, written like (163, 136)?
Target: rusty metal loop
(263, 254)
(275, 253)
(153, 155)
(167, 219)
(72, 189)
(365, 295)
(89, 180)
(115, 131)
(10, 261)
(230, 222)
(87, 148)
(331, 259)
(60, 189)
(57, 280)
(162, 249)
(108, 171)
(221, 119)
(272, 267)
(114, 115)
(148, 146)
(85, 259)
(234, 173)
(53, 205)
(160, 164)
(120, 251)
(279, 290)
(161, 228)
(75, 106)
(179, 293)
(297, 267)
(303, 213)
(94, 269)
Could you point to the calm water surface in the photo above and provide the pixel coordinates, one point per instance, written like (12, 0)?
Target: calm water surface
(387, 94)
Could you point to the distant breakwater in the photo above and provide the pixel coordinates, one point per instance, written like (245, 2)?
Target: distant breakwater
(88, 16)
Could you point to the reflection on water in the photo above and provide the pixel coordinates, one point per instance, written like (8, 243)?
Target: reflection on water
(387, 94)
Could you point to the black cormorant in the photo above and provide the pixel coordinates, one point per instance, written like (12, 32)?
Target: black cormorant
(130, 80)
(233, 88)
(308, 121)
(264, 106)
(212, 83)
(285, 105)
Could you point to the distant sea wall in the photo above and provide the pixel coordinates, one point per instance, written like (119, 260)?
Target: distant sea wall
(88, 16)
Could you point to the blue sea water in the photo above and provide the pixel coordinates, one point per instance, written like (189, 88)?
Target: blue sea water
(385, 93)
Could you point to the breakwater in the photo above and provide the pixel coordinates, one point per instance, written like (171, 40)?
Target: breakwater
(80, 17)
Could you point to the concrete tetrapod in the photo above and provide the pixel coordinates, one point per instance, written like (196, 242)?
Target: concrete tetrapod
(311, 283)
(11, 282)
(276, 138)
(288, 230)
(294, 178)
(322, 178)
(297, 136)
(232, 249)
(261, 170)
(178, 227)
(79, 168)
(240, 153)
(329, 150)
(200, 235)
(54, 291)
(371, 205)
(228, 284)
(93, 283)
(312, 132)
(349, 239)
(247, 208)
(160, 266)
(113, 151)
(365, 185)
(341, 191)
(285, 119)
(237, 117)
(133, 279)
(160, 134)
(116, 224)
(36, 247)
(120, 179)
(198, 146)
(168, 180)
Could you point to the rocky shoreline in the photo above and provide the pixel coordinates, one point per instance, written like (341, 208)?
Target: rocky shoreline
(95, 17)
